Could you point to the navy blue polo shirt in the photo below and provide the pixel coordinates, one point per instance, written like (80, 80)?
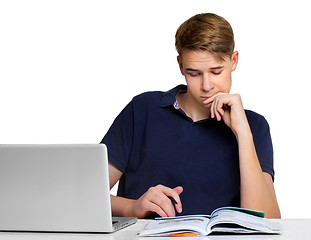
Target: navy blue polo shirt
(153, 143)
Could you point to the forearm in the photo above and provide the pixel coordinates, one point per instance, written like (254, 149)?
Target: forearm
(255, 191)
(120, 206)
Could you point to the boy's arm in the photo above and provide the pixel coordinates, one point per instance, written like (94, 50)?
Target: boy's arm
(257, 190)
(154, 200)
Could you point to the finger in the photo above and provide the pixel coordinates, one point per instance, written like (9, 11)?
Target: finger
(218, 116)
(178, 206)
(159, 196)
(212, 109)
(217, 98)
(178, 190)
(220, 106)
(148, 206)
(215, 109)
(156, 209)
(173, 193)
(219, 110)
(165, 204)
(144, 206)
(209, 100)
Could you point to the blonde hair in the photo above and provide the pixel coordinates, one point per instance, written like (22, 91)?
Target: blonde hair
(206, 31)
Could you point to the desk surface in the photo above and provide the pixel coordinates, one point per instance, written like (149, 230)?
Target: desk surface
(293, 229)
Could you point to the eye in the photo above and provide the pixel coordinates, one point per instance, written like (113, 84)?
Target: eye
(192, 74)
(217, 73)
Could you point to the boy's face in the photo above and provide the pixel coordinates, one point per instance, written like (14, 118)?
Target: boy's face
(206, 74)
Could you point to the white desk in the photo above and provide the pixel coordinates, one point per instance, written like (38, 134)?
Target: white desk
(293, 229)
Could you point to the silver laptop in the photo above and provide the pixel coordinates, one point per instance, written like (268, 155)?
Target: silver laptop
(56, 188)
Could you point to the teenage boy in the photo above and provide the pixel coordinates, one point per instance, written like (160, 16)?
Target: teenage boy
(193, 148)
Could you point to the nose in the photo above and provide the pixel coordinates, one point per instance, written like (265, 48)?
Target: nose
(207, 84)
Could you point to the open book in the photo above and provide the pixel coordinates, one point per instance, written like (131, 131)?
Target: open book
(225, 220)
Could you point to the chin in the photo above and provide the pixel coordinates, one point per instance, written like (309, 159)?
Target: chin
(206, 105)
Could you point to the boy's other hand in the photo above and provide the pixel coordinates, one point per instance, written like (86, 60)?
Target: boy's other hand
(156, 200)
(229, 107)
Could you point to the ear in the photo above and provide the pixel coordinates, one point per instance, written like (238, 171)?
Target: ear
(180, 64)
(234, 60)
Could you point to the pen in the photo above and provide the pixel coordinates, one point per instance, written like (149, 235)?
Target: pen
(172, 200)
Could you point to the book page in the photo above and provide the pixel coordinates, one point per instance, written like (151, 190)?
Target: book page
(184, 224)
(249, 222)
(251, 212)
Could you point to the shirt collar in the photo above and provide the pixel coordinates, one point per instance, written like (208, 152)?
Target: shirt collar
(169, 97)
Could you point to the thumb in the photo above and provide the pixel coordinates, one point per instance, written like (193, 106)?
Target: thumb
(178, 189)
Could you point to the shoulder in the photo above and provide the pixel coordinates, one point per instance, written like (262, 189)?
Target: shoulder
(160, 97)
(255, 118)
(146, 101)
(257, 122)
(148, 97)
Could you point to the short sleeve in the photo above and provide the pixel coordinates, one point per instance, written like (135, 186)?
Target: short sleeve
(263, 143)
(119, 138)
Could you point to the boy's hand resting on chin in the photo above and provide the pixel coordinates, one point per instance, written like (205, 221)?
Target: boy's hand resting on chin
(228, 107)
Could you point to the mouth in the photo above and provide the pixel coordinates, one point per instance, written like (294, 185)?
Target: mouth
(206, 97)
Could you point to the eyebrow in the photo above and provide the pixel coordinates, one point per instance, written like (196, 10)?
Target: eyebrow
(191, 69)
(218, 67)
(212, 68)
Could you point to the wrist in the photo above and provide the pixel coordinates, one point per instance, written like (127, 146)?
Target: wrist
(244, 134)
(121, 206)
(127, 208)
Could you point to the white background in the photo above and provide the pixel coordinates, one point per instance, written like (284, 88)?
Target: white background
(68, 67)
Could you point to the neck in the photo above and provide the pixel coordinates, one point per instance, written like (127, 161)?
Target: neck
(192, 108)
